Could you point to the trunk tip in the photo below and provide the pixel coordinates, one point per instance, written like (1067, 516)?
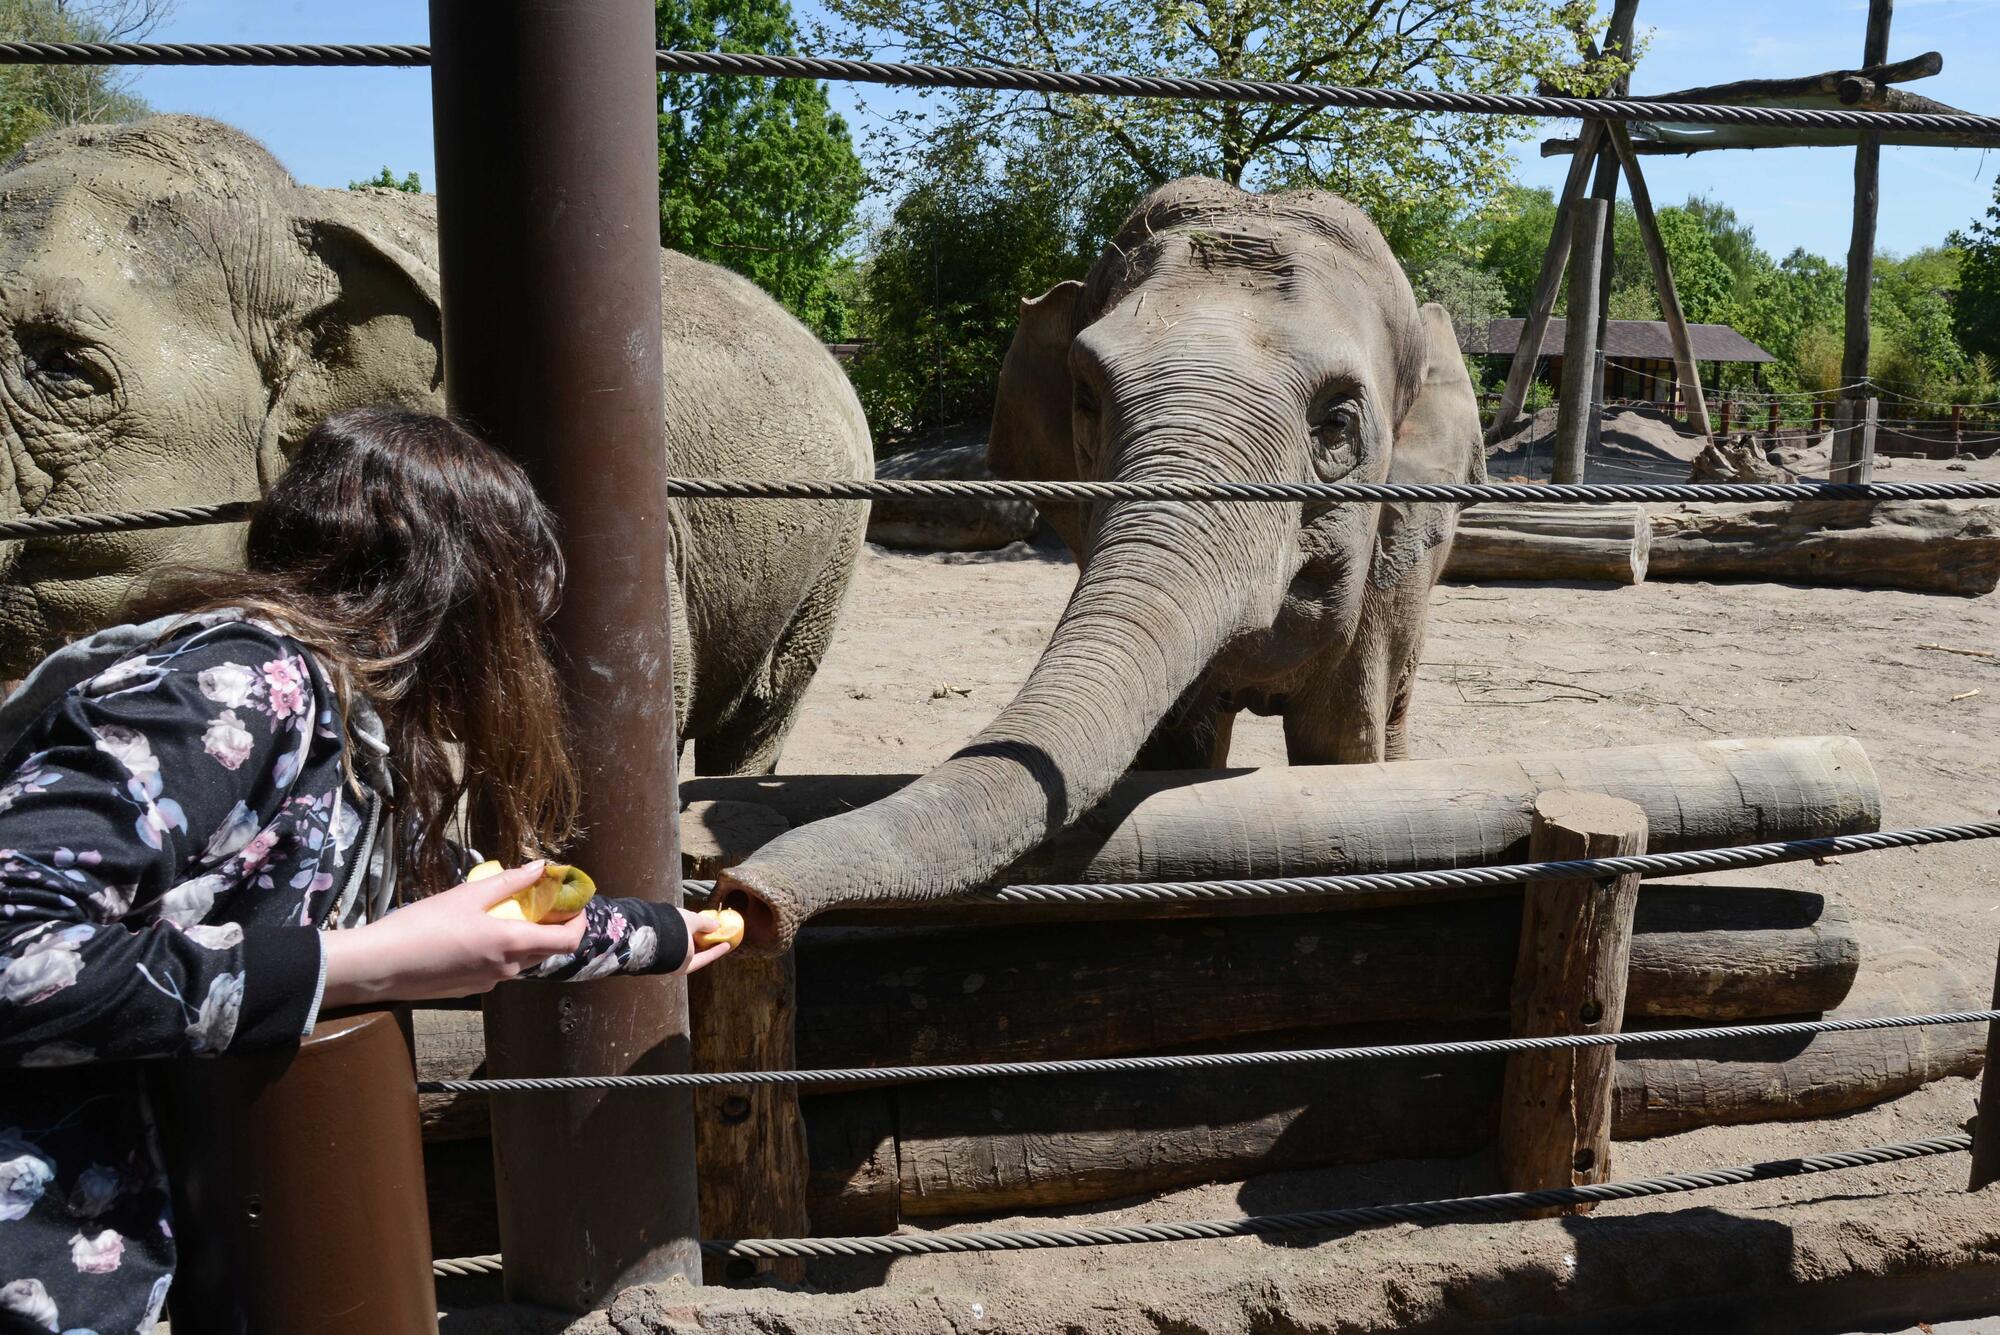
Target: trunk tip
(770, 921)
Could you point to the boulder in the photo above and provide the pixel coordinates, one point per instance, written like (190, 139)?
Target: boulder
(956, 524)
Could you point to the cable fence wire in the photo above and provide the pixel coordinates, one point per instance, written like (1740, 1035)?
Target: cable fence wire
(125, 521)
(1195, 1061)
(1498, 1204)
(1016, 79)
(1682, 863)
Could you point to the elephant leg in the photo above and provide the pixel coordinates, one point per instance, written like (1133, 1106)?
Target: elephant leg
(1194, 736)
(750, 739)
(1339, 717)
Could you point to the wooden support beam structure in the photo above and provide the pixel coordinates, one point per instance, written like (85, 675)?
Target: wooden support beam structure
(1861, 242)
(1854, 440)
(1574, 411)
(1687, 372)
(1986, 1129)
(1569, 978)
(1617, 42)
(1496, 541)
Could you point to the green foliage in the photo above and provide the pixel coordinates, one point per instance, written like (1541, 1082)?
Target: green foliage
(757, 175)
(1976, 320)
(1702, 280)
(410, 183)
(38, 98)
(1412, 173)
(1470, 295)
(941, 290)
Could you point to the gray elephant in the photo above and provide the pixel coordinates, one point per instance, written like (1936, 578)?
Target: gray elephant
(1222, 336)
(176, 312)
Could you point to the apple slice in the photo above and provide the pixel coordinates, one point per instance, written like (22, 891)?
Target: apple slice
(559, 896)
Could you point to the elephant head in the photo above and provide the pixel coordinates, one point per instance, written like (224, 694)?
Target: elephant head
(1222, 336)
(175, 312)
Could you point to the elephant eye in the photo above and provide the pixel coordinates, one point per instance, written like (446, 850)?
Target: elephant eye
(62, 367)
(1336, 440)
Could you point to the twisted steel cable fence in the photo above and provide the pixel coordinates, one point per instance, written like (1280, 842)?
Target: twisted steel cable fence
(1196, 1061)
(1017, 79)
(1494, 1205)
(1311, 493)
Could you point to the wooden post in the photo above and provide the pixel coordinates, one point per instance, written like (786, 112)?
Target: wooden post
(547, 134)
(1986, 1127)
(1819, 417)
(1854, 441)
(1687, 373)
(1727, 405)
(1569, 978)
(1573, 411)
(749, 1143)
(1861, 244)
(1957, 426)
(1617, 42)
(1772, 430)
(1541, 303)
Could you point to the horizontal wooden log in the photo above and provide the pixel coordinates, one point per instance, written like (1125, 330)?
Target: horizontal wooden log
(1599, 543)
(901, 996)
(1397, 816)
(978, 1147)
(1921, 546)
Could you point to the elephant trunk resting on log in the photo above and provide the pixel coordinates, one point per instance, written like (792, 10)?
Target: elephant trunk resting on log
(1222, 336)
(176, 312)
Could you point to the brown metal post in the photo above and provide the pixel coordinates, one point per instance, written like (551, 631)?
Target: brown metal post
(1986, 1129)
(299, 1203)
(549, 239)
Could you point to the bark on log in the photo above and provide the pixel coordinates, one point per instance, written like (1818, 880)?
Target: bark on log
(750, 1144)
(1499, 541)
(904, 996)
(1920, 546)
(988, 1146)
(1569, 978)
(1396, 816)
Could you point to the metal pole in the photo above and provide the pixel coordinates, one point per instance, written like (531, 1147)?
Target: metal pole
(1986, 1130)
(549, 238)
(1579, 339)
(299, 1204)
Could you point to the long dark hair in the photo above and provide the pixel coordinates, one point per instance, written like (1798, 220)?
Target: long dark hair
(418, 563)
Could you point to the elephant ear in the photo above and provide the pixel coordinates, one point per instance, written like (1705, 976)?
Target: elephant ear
(1031, 440)
(366, 328)
(1438, 440)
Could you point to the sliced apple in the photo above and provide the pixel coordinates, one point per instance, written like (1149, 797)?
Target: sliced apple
(558, 896)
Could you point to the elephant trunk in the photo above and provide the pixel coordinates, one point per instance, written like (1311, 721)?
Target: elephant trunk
(1165, 588)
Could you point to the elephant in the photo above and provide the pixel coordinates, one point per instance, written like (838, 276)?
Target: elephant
(1221, 336)
(176, 312)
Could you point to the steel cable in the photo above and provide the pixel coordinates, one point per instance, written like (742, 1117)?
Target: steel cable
(1683, 863)
(1320, 1221)
(125, 521)
(1468, 493)
(1194, 1061)
(1017, 79)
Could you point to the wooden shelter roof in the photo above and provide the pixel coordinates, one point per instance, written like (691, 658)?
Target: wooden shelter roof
(1625, 338)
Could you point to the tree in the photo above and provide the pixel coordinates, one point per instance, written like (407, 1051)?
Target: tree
(757, 175)
(37, 98)
(1402, 168)
(1801, 293)
(1976, 318)
(1702, 280)
(411, 183)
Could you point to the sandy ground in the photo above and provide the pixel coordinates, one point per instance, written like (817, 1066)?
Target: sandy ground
(932, 645)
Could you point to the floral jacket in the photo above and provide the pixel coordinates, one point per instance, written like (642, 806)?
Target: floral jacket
(174, 832)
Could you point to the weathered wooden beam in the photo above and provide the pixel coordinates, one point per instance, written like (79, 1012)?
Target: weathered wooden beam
(1651, 139)
(1861, 242)
(1397, 815)
(1920, 546)
(1854, 440)
(1617, 42)
(1687, 372)
(1541, 302)
(1569, 978)
(1588, 217)
(988, 1146)
(1986, 1126)
(1501, 541)
(891, 996)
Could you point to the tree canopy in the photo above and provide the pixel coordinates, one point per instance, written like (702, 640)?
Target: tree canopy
(409, 183)
(757, 175)
(37, 98)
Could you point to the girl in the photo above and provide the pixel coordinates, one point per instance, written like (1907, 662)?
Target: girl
(205, 820)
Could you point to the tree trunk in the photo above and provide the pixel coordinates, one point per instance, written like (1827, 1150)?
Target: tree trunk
(1921, 546)
(978, 1147)
(1499, 541)
(1395, 816)
(905, 996)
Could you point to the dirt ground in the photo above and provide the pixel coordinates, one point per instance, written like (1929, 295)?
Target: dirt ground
(931, 646)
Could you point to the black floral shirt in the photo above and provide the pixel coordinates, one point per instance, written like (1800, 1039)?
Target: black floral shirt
(173, 833)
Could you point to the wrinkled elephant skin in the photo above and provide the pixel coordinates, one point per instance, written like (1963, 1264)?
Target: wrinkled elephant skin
(1222, 336)
(176, 312)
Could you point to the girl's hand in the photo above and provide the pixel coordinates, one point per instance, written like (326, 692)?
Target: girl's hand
(697, 923)
(444, 946)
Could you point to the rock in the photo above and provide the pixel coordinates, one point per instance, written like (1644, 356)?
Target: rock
(957, 524)
(1736, 460)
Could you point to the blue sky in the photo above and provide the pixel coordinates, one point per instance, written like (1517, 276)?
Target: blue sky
(332, 126)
